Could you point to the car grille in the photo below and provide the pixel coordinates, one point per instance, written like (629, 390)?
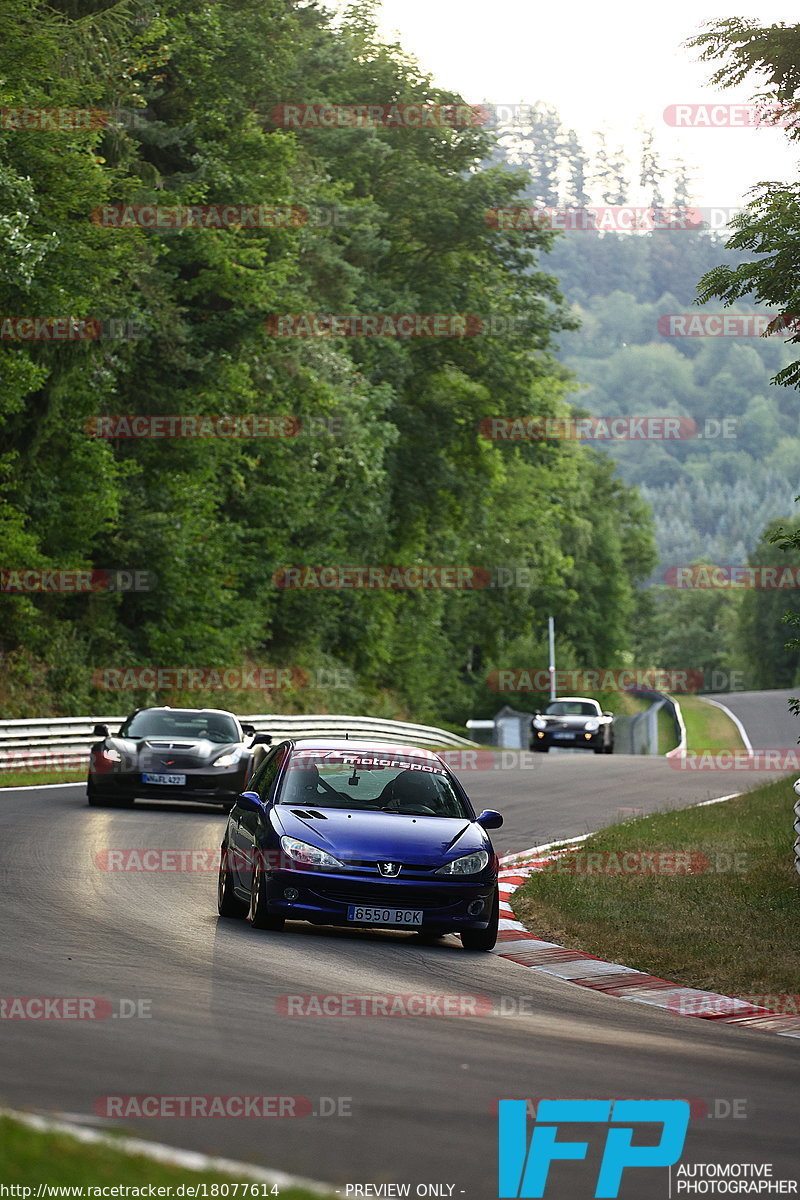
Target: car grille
(404, 897)
(167, 762)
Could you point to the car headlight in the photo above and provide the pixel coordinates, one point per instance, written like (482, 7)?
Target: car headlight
(111, 754)
(538, 723)
(592, 726)
(312, 856)
(470, 864)
(228, 759)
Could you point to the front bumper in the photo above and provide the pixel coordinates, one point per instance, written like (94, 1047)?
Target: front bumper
(574, 740)
(323, 898)
(210, 787)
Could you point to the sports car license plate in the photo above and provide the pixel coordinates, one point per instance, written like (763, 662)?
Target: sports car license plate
(384, 916)
(563, 735)
(164, 779)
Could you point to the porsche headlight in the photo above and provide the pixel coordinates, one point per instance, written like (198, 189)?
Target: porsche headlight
(228, 759)
(111, 754)
(470, 864)
(592, 725)
(538, 723)
(311, 856)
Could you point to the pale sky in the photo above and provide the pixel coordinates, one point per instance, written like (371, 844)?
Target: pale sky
(610, 66)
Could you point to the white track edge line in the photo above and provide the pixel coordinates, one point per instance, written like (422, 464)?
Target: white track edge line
(192, 1160)
(39, 787)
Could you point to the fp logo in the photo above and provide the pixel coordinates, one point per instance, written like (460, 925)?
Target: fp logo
(523, 1170)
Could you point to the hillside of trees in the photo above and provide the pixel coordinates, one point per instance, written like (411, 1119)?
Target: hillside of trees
(711, 495)
(388, 467)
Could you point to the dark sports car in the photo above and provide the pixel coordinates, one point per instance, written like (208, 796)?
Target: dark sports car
(172, 754)
(573, 721)
(357, 833)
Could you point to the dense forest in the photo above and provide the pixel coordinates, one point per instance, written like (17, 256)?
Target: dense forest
(387, 466)
(712, 494)
(362, 455)
(719, 495)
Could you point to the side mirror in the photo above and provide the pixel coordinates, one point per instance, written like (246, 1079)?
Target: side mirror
(250, 801)
(100, 731)
(607, 714)
(262, 739)
(490, 819)
(248, 730)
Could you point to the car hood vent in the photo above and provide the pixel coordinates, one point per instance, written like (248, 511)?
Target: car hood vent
(298, 812)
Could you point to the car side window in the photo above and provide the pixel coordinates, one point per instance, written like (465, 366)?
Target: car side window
(266, 774)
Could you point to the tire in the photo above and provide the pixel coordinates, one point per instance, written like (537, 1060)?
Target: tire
(258, 914)
(228, 903)
(610, 747)
(484, 939)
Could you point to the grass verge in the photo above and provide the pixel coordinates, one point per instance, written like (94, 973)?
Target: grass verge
(707, 727)
(32, 778)
(667, 735)
(730, 928)
(29, 1157)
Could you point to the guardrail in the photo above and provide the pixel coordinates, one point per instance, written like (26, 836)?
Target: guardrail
(62, 743)
(797, 829)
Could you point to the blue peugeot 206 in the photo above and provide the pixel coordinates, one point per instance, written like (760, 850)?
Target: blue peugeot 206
(357, 833)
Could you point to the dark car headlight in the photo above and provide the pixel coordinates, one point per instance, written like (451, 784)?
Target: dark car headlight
(469, 864)
(310, 856)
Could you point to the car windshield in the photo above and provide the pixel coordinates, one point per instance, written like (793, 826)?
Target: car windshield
(378, 782)
(158, 723)
(571, 708)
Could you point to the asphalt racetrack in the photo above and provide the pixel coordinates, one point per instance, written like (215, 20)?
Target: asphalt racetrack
(408, 1100)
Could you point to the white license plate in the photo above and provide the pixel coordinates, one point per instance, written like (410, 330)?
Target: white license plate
(384, 916)
(164, 779)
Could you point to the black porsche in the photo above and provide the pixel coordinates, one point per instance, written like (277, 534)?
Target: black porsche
(198, 754)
